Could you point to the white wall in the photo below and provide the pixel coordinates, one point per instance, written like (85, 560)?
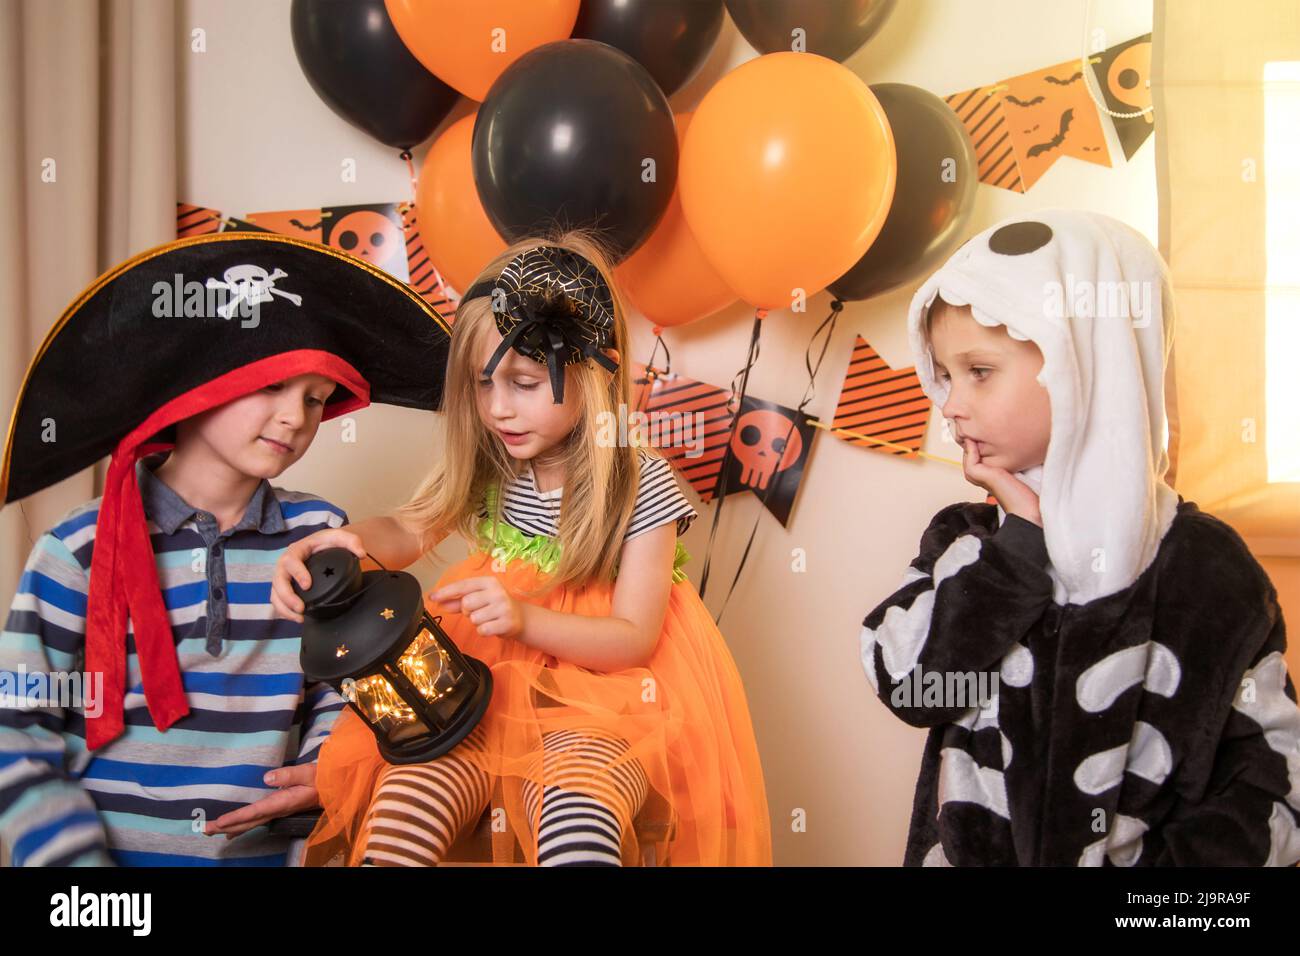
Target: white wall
(255, 137)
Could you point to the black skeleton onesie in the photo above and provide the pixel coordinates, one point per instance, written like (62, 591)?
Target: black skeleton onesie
(1142, 714)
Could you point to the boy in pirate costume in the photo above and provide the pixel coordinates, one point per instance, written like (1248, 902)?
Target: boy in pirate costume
(203, 726)
(1142, 713)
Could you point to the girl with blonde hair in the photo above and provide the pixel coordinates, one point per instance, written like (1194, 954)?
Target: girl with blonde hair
(618, 716)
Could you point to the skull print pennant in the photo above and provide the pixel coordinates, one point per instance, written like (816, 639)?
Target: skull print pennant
(770, 445)
(1124, 75)
(373, 233)
(691, 423)
(384, 234)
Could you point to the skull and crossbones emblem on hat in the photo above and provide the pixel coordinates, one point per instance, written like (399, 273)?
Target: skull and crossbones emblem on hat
(252, 284)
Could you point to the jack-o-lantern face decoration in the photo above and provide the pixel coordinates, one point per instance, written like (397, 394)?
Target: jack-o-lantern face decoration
(764, 442)
(368, 235)
(1129, 78)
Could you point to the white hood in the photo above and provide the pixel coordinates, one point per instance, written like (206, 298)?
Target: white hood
(1093, 295)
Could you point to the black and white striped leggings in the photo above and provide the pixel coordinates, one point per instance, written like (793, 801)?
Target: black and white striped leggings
(420, 809)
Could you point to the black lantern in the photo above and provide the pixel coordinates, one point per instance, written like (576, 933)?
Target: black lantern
(369, 637)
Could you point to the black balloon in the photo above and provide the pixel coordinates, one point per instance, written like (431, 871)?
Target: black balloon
(670, 38)
(562, 138)
(832, 28)
(934, 194)
(355, 61)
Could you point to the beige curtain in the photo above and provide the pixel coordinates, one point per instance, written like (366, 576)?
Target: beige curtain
(87, 177)
(1209, 95)
(87, 100)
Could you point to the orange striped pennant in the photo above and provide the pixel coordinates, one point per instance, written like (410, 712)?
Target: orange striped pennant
(881, 402)
(426, 279)
(980, 111)
(1022, 125)
(194, 220)
(700, 403)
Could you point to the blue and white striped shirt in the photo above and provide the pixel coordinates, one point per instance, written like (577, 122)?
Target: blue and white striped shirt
(143, 799)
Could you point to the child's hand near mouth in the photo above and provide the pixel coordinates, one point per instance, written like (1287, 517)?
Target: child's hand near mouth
(1016, 497)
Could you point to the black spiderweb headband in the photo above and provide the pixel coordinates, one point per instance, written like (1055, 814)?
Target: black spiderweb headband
(554, 307)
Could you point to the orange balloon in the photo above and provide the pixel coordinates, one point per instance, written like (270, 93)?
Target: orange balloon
(787, 175)
(468, 44)
(456, 231)
(668, 279)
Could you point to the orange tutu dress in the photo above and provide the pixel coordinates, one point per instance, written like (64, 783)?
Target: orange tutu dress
(683, 715)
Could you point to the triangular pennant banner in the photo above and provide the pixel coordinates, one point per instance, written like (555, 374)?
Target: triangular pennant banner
(299, 223)
(371, 232)
(769, 449)
(194, 220)
(1051, 114)
(1024, 124)
(382, 233)
(235, 224)
(676, 405)
(1124, 76)
(425, 279)
(882, 403)
(980, 111)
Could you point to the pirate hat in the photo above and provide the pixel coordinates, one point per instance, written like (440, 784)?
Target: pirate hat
(175, 331)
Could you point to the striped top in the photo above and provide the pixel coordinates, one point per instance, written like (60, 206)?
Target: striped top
(659, 499)
(144, 798)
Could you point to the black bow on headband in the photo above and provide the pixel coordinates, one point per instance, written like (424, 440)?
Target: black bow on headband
(554, 308)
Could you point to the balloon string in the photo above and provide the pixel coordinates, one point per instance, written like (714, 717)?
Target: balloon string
(742, 376)
(719, 487)
(652, 373)
(828, 324)
(660, 343)
(410, 169)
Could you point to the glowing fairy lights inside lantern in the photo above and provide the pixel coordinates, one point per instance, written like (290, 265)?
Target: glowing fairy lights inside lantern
(431, 672)
(397, 668)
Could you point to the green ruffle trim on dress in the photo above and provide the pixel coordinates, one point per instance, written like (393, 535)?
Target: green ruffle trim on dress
(507, 543)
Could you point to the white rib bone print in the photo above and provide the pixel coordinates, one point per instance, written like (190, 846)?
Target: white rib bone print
(961, 779)
(1151, 663)
(1262, 697)
(902, 633)
(1147, 753)
(1123, 844)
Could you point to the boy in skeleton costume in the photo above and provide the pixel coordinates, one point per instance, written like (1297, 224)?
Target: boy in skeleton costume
(1141, 711)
